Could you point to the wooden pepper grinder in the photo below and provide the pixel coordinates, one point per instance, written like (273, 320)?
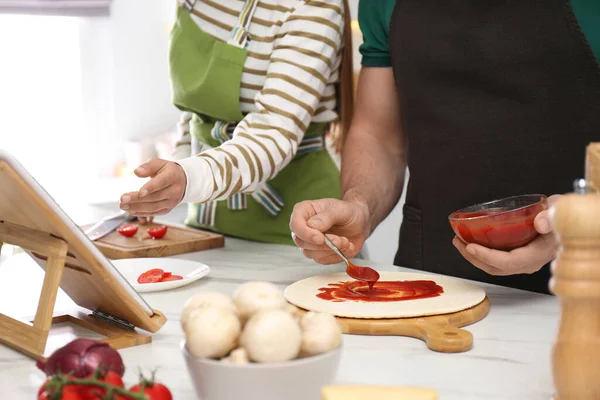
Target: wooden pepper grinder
(576, 282)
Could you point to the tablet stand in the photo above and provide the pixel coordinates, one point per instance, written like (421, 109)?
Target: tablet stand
(31, 338)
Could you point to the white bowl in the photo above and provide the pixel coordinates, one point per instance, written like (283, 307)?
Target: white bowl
(300, 379)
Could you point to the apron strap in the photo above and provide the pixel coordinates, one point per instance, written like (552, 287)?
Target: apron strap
(189, 4)
(206, 213)
(310, 144)
(269, 199)
(239, 34)
(222, 131)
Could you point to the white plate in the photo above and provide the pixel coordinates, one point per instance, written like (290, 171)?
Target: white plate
(132, 268)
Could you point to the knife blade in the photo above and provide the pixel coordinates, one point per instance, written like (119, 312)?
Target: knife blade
(107, 225)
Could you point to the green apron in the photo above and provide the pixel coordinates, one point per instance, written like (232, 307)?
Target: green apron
(206, 76)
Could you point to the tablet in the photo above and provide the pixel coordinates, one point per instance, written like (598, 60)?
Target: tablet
(89, 278)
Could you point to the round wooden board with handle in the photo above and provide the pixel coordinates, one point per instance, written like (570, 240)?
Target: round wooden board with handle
(436, 320)
(441, 333)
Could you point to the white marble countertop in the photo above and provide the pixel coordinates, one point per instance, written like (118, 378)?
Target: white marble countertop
(510, 358)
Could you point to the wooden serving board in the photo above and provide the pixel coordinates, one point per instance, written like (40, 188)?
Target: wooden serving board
(442, 333)
(178, 240)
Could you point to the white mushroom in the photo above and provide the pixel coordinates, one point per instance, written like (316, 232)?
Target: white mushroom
(257, 296)
(212, 332)
(216, 299)
(271, 336)
(320, 333)
(293, 310)
(238, 356)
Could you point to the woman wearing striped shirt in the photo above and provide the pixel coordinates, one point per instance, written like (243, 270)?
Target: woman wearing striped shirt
(257, 83)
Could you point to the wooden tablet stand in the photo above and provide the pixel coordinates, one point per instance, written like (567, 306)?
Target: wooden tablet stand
(576, 281)
(31, 219)
(31, 339)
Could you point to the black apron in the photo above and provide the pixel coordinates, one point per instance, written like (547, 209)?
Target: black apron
(499, 98)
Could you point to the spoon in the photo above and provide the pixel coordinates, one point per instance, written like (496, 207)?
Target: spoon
(365, 274)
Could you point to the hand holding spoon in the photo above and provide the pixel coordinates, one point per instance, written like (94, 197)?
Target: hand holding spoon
(357, 272)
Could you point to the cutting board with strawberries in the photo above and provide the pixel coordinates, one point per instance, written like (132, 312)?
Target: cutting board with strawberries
(177, 240)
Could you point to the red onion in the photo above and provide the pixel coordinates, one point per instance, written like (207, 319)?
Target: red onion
(81, 358)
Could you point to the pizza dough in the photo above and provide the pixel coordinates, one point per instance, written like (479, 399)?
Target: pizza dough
(458, 295)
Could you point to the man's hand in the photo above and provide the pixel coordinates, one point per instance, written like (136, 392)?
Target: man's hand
(347, 225)
(161, 194)
(524, 260)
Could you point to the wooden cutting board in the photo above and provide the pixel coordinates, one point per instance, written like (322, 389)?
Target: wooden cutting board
(178, 240)
(441, 333)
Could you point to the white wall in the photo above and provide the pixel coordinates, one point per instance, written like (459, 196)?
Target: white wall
(95, 38)
(40, 97)
(142, 93)
(125, 76)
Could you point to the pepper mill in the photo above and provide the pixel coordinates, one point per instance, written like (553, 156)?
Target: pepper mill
(576, 282)
(592, 167)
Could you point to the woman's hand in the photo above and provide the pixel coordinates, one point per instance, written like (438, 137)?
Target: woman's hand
(523, 260)
(158, 196)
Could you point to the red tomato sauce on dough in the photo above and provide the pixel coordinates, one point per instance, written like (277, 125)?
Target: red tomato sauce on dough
(382, 291)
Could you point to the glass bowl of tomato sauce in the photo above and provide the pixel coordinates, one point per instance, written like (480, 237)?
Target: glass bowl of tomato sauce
(503, 224)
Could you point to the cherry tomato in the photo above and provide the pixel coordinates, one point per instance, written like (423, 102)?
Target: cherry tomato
(113, 379)
(157, 232)
(50, 391)
(66, 395)
(43, 387)
(172, 278)
(94, 392)
(69, 392)
(153, 391)
(151, 276)
(128, 230)
(167, 274)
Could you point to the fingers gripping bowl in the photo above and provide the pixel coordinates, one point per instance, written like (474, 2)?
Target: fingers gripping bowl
(255, 345)
(503, 224)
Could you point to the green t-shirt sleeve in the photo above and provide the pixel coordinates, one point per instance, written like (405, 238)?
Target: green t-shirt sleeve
(588, 16)
(374, 20)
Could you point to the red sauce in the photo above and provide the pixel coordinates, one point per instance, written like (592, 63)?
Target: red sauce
(365, 274)
(505, 232)
(382, 291)
(502, 237)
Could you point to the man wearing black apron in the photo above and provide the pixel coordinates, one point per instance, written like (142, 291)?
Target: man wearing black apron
(481, 100)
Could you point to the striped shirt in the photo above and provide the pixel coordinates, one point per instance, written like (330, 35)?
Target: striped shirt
(288, 82)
